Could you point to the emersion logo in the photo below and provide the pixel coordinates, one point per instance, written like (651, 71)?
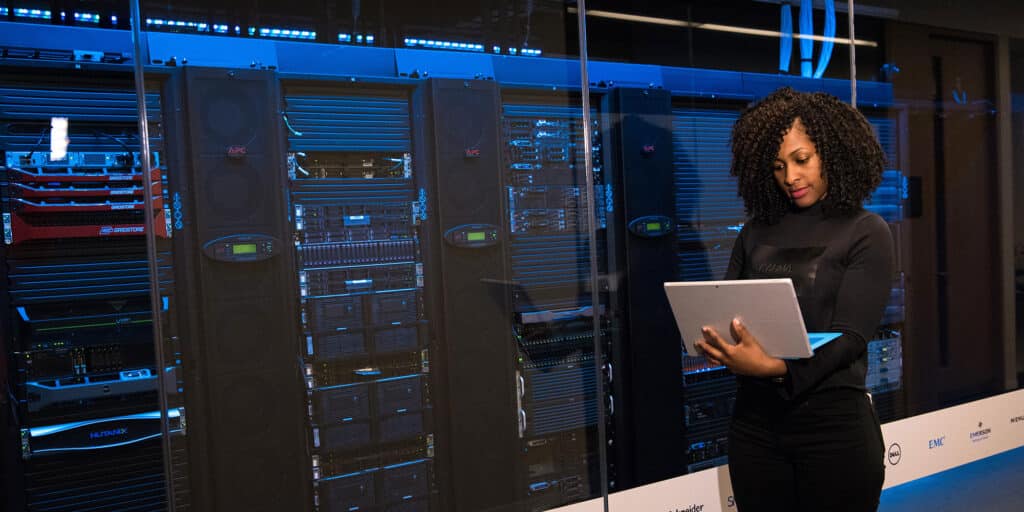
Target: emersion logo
(894, 454)
(981, 434)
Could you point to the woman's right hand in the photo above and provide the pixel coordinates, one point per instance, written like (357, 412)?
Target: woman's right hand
(746, 357)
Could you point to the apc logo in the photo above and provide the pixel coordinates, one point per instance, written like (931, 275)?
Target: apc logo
(895, 454)
(936, 443)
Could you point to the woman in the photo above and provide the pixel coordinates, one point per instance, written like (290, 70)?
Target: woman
(804, 435)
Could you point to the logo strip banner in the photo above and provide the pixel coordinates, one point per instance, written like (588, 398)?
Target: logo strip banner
(916, 447)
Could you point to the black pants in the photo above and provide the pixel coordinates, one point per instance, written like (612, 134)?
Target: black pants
(824, 454)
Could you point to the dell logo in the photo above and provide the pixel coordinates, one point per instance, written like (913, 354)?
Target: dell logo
(936, 443)
(895, 453)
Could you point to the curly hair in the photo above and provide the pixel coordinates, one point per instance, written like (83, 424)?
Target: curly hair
(852, 161)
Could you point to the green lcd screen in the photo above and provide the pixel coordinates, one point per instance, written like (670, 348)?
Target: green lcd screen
(243, 249)
(653, 226)
(476, 236)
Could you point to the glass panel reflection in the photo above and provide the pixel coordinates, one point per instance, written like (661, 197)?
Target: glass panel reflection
(382, 262)
(81, 393)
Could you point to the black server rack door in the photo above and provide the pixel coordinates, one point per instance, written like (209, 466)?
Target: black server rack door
(644, 242)
(244, 395)
(459, 122)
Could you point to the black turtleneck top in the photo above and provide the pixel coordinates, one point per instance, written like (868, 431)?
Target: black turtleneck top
(842, 270)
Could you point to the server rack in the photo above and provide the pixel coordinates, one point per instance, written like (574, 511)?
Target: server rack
(543, 178)
(709, 216)
(456, 146)
(358, 217)
(75, 295)
(234, 316)
(641, 252)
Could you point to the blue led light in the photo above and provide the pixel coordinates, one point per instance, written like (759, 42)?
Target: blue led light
(512, 51)
(285, 33)
(496, 49)
(369, 39)
(53, 429)
(32, 13)
(442, 45)
(191, 25)
(3, 11)
(86, 17)
(113, 19)
(220, 29)
(528, 52)
(347, 38)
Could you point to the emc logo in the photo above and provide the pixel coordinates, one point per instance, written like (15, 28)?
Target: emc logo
(936, 443)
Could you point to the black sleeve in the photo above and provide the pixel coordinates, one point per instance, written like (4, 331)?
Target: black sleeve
(863, 293)
(735, 270)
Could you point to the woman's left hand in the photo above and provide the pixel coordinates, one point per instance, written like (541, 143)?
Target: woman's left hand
(746, 357)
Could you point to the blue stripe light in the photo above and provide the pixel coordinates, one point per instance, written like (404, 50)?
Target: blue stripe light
(3, 11)
(53, 429)
(285, 33)
(413, 42)
(87, 17)
(194, 26)
(367, 39)
(32, 13)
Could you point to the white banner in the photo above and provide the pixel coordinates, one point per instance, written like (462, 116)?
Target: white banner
(916, 447)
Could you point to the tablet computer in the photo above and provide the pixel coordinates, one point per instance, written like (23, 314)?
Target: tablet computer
(768, 307)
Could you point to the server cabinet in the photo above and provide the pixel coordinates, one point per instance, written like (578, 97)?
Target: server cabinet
(236, 307)
(558, 306)
(638, 141)
(358, 222)
(457, 144)
(77, 322)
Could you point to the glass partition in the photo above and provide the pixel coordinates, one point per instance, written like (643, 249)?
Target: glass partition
(408, 256)
(81, 407)
(951, 77)
(695, 67)
(390, 286)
